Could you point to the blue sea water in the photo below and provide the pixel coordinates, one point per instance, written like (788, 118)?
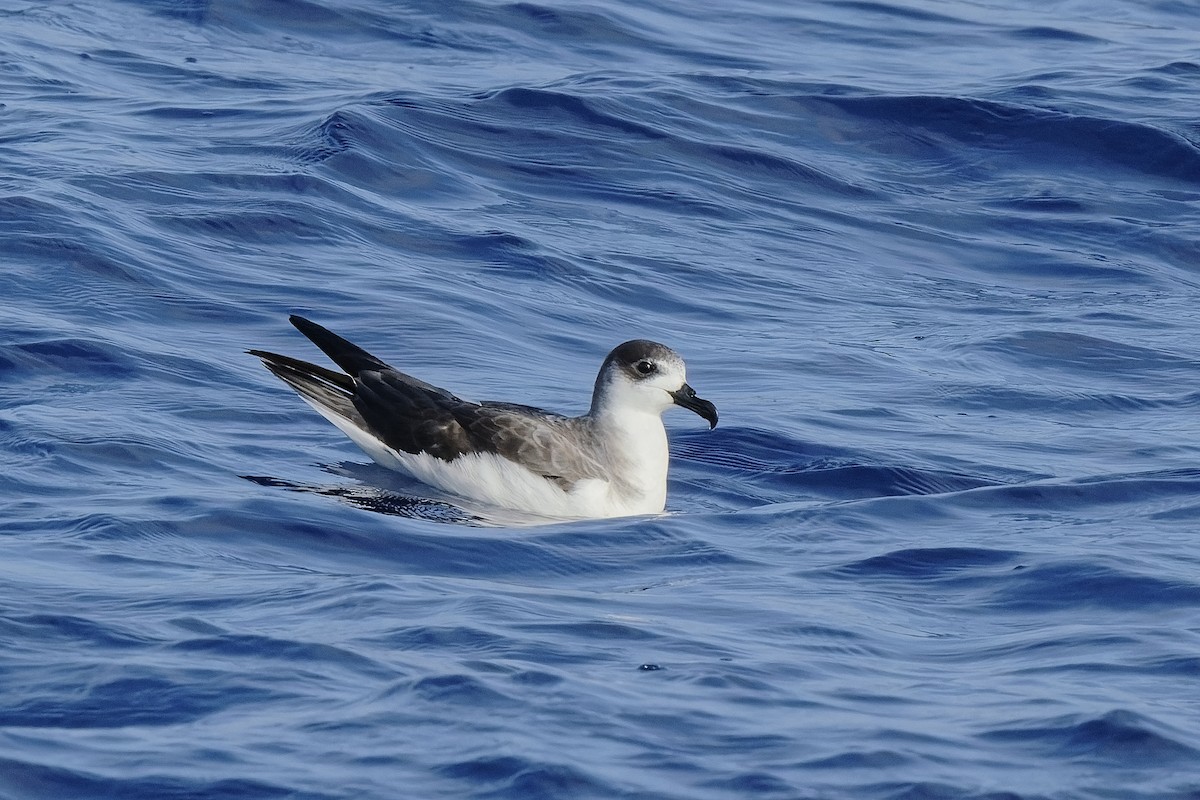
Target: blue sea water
(937, 263)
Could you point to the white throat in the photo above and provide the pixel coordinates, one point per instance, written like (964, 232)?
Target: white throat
(635, 443)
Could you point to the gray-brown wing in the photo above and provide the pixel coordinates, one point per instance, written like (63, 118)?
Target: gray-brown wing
(410, 418)
(555, 447)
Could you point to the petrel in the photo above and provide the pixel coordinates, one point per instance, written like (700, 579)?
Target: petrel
(609, 462)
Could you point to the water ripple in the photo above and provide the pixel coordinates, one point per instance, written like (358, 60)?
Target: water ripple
(936, 265)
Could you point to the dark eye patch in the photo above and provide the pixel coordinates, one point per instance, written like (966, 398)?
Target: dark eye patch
(646, 367)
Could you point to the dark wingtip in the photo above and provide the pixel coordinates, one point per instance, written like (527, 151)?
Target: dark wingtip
(303, 324)
(347, 355)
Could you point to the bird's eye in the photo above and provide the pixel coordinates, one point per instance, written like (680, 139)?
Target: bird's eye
(645, 367)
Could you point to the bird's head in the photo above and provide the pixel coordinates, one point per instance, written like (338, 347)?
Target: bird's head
(646, 376)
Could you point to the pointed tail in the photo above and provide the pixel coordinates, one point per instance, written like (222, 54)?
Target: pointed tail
(321, 387)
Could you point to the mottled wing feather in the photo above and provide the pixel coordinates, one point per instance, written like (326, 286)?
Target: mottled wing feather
(412, 419)
(544, 443)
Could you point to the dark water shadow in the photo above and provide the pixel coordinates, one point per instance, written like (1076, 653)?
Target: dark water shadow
(384, 491)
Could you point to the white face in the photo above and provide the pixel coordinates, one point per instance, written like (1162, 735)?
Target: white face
(646, 377)
(639, 376)
(648, 383)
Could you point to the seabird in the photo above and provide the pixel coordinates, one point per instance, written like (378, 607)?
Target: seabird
(609, 462)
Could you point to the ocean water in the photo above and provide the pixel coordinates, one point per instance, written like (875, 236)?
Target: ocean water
(937, 263)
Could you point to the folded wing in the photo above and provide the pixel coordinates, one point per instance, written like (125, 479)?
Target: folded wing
(412, 416)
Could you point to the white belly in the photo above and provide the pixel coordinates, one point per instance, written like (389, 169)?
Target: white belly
(495, 480)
